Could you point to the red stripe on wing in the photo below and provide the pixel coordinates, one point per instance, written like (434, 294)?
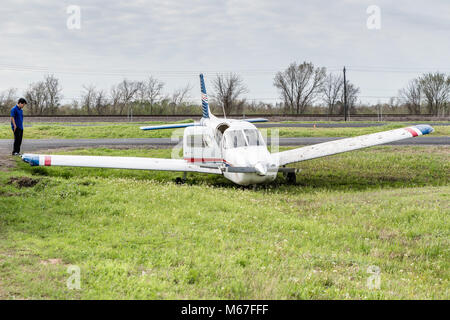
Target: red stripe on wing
(412, 131)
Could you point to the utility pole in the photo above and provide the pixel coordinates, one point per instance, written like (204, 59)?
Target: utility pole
(345, 97)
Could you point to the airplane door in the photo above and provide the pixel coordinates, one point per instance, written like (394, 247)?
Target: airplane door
(211, 149)
(201, 147)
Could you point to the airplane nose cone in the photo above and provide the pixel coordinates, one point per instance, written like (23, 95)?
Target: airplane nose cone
(261, 169)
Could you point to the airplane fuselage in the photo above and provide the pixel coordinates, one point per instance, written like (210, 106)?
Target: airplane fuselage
(235, 145)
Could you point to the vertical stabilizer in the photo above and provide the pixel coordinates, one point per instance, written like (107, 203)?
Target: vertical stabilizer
(205, 106)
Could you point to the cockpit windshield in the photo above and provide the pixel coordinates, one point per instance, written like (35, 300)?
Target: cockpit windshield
(254, 138)
(242, 138)
(234, 139)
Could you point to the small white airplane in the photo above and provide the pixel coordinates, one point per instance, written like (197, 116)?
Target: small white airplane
(232, 148)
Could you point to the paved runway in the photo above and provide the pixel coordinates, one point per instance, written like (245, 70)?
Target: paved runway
(30, 145)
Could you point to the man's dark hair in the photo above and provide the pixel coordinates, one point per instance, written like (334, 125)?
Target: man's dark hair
(22, 100)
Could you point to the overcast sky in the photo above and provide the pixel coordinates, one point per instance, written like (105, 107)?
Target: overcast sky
(176, 40)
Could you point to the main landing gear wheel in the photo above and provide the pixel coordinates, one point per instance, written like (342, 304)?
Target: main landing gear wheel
(291, 177)
(179, 180)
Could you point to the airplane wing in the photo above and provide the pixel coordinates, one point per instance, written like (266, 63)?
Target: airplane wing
(170, 126)
(349, 144)
(137, 163)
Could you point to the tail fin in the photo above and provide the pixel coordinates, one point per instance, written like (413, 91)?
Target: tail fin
(205, 105)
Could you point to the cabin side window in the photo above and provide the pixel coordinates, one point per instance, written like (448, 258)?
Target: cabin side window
(197, 141)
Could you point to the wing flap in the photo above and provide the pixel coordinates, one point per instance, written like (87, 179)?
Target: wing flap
(349, 144)
(136, 163)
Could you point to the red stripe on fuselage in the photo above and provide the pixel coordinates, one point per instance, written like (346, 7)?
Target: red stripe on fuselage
(412, 131)
(203, 159)
(47, 161)
(207, 160)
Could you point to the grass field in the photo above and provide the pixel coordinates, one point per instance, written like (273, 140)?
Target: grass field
(118, 130)
(138, 235)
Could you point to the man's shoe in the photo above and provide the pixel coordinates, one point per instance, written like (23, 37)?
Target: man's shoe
(16, 154)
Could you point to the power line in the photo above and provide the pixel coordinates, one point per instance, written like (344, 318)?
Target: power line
(192, 73)
(189, 73)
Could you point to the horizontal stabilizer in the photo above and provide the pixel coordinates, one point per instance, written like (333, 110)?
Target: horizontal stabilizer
(170, 126)
(256, 120)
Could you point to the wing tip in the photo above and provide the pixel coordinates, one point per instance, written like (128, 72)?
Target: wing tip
(32, 159)
(424, 128)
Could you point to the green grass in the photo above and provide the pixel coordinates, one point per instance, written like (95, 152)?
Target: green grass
(120, 130)
(138, 235)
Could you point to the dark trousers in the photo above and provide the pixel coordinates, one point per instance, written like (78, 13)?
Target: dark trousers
(18, 134)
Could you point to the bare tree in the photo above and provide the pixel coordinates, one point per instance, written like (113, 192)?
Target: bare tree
(140, 94)
(128, 90)
(88, 98)
(116, 98)
(332, 91)
(7, 100)
(352, 96)
(101, 102)
(436, 89)
(180, 97)
(149, 92)
(74, 106)
(393, 105)
(36, 96)
(299, 85)
(152, 91)
(227, 90)
(44, 97)
(411, 96)
(53, 93)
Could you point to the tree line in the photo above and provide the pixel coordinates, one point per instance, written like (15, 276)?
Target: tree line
(430, 91)
(303, 88)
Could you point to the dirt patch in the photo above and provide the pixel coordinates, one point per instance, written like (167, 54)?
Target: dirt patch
(8, 194)
(23, 182)
(387, 235)
(51, 261)
(6, 162)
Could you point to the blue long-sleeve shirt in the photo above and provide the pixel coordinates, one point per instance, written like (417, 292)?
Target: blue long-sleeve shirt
(17, 114)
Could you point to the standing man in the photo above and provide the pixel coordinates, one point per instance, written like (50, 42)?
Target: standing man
(17, 124)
